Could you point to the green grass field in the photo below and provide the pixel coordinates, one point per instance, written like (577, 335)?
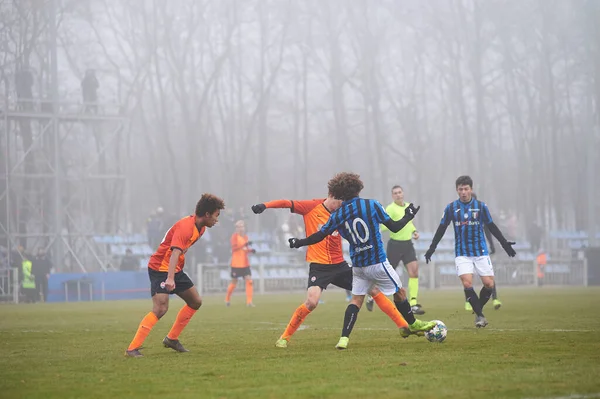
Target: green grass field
(543, 343)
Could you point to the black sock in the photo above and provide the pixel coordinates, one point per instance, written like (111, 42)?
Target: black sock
(484, 295)
(473, 300)
(405, 310)
(494, 294)
(349, 319)
(466, 297)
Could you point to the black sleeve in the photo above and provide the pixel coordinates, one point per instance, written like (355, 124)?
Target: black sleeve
(439, 233)
(312, 239)
(496, 232)
(488, 235)
(396, 225)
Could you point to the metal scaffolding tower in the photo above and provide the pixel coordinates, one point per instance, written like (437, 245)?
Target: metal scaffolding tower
(63, 181)
(62, 178)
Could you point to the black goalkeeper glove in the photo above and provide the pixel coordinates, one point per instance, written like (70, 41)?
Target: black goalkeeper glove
(294, 243)
(507, 245)
(258, 208)
(428, 255)
(411, 211)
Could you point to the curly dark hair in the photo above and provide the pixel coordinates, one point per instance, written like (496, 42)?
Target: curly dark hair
(464, 181)
(345, 186)
(209, 203)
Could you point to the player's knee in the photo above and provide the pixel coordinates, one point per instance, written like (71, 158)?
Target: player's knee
(467, 285)
(311, 303)
(400, 296)
(488, 284)
(195, 304)
(249, 281)
(160, 309)
(357, 301)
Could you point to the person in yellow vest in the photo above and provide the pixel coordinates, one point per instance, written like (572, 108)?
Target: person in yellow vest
(541, 261)
(400, 248)
(28, 281)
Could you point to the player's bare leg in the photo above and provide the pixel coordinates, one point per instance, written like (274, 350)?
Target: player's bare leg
(473, 299)
(160, 305)
(313, 295)
(192, 304)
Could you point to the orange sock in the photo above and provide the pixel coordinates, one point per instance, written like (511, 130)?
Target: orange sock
(249, 291)
(143, 330)
(183, 318)
(297, 319)
(390, 309)
(230, 289)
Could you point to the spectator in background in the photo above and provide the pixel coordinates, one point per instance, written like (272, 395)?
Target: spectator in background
(41, 266)
(541, 261)
(89, 90)
(27, 279)
(535, 235)
(4, 267)
(129, 262)
(155, 227)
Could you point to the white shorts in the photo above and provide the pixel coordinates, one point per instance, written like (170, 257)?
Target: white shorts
(466, 264)
(382, 275)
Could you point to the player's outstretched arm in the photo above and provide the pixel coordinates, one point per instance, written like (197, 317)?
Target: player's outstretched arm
(437, 237)
(397, 225)
(507, 245)
(280, 204)
(310, 240)
(490, 240)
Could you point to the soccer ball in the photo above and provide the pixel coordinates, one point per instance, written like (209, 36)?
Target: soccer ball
(437, 333)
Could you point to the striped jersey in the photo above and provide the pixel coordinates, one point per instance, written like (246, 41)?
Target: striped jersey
(357, 221)
(468, 220)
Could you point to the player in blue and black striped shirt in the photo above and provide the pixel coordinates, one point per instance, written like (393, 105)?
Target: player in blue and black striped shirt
(468, 215)
(357, 221)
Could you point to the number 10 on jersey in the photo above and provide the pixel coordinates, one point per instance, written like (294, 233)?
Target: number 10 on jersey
(354, 232)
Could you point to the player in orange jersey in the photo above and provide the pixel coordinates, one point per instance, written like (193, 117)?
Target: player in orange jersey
(165, 270)
(327, 264)
(240, 265)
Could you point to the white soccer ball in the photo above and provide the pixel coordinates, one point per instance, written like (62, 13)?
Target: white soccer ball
(437, 333)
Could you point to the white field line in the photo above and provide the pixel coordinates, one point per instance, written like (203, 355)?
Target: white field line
(572, 396)
(276, 326)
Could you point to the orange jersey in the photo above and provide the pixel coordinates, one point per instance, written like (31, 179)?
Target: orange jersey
(239, 251)
(328, 251)
(182, 235)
